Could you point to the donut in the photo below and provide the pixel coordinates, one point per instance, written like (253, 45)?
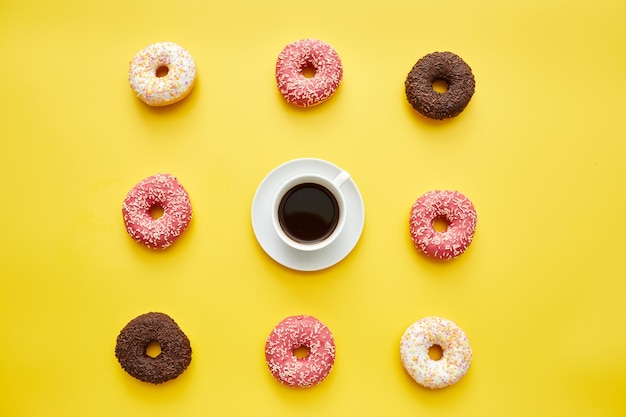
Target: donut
(300, 332)
(158, 191)
(455, 347)
(162, 73)
(319, 56)
(459, 214)
(440, 66)
(133, 340)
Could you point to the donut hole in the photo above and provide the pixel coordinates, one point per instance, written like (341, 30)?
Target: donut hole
(162, 71)
(308, 71)
(435, 352)
(440, 224)
(156, 211)
(153, 349)
(301, 352)
(440, 86)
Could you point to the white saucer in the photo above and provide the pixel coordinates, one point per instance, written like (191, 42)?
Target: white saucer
(285, 254)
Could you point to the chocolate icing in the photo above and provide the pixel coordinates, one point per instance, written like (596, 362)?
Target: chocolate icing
(134, 338)
(440, 66)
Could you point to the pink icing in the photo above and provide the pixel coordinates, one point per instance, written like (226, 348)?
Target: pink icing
(294, 332)
(300, 90)
(165, 191)
(458, 212)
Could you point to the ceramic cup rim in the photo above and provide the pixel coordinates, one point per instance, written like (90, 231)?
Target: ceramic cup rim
(333, 186)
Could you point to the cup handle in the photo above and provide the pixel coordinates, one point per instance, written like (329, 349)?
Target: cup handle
(341, 179)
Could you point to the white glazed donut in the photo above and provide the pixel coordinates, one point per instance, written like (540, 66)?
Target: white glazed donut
(162, 73)
(426, 333)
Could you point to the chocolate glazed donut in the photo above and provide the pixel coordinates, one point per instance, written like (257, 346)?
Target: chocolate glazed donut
(440, 66)
(133, 341)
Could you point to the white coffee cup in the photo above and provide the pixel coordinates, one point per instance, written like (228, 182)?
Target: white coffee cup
(310, 194)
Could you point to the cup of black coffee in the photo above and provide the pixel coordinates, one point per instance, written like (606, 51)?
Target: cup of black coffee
(309, 210)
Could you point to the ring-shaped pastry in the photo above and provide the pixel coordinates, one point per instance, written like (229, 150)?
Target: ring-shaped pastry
(459, 215)
(132, 344)
(440, 66)
(158, 191)
(162, 73)
(455, 348)
(300, 332)
(313, 54)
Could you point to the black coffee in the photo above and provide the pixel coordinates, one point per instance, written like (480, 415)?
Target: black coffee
(308, 213)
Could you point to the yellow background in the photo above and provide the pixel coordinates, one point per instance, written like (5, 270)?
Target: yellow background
(539, 150)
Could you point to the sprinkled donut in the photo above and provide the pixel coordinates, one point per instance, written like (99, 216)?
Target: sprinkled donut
(440, 66)
(459, 214)
(133, 341)
(162, 73)
(297, 332)
(158, 191)
(308, 53)
(456, 352)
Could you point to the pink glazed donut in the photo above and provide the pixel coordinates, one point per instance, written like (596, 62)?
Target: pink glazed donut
(160, 190)
(459, 214)
(308, 53)
(295, 332)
